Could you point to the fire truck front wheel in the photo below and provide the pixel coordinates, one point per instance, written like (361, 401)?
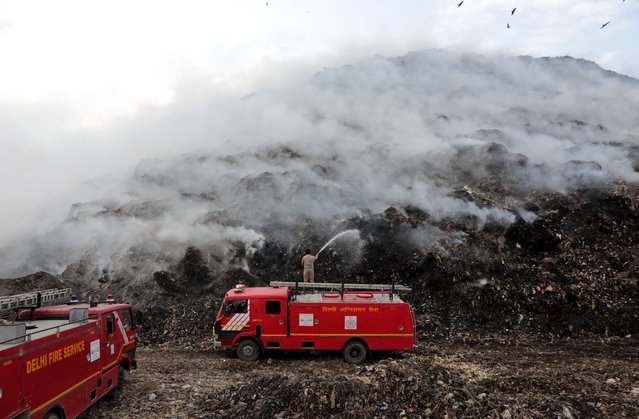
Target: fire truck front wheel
(117, 390)
(53, 414)
(248, 350)
(355, 352)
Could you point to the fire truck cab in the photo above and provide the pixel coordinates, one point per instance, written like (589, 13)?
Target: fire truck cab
(56, 361)
(352, 318)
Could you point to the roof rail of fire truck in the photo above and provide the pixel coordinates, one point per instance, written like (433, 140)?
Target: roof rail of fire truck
(340, 285)
(33, 299)
(20, 332)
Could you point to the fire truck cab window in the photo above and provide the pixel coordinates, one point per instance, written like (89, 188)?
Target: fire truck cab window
(126, 319)
(235, 306)
(109, 324)
(273, 307)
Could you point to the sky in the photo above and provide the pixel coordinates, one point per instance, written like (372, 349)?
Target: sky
(73, 72)
(102, 58)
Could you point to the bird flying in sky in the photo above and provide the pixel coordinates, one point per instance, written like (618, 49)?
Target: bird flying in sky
(513, 12)
(460, 3)
(604, 25)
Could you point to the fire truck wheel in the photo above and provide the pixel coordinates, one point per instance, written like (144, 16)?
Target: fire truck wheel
(52, 415)
(248, 350)
(121, 376)
(355, 352)
(118, 388)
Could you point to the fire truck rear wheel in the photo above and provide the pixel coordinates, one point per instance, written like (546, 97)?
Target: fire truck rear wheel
(355, 352)
(248, 350)
(52, 415)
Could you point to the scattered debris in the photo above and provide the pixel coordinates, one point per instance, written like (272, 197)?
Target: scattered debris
(535, 378)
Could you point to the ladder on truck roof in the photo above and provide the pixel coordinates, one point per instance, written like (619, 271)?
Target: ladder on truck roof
(341, 285)
(33, 299)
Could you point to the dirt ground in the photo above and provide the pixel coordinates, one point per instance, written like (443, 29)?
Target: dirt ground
(587, 377)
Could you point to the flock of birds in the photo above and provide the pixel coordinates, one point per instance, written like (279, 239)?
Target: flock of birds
(512, 12)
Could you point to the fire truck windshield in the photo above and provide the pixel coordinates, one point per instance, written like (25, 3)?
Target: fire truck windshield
(234, 306)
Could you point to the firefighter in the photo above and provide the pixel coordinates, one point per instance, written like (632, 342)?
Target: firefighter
(307, 263)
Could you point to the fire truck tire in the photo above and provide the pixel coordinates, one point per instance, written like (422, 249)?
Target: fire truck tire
(248, 350)
(52, 415)
(121, 376)
(355, 352)
(118, 388)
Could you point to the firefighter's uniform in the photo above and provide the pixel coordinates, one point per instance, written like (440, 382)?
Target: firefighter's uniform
(309, 272)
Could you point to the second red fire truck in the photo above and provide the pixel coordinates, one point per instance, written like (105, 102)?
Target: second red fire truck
(56, 361)
(352, 318)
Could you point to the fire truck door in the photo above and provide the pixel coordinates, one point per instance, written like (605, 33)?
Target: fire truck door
(274, 320)
(111, 344)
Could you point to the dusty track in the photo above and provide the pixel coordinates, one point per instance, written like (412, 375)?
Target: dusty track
(587, 377)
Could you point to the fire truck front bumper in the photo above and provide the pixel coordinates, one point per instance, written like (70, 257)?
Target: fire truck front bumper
(216, 343)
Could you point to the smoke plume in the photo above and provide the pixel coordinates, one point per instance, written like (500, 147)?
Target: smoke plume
(437, 131)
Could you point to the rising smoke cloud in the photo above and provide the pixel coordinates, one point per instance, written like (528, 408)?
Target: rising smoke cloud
(227, 170)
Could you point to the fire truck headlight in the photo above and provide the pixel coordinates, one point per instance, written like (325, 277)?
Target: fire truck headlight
(401, 327)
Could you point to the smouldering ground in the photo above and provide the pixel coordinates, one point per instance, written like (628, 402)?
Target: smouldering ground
(485, 377)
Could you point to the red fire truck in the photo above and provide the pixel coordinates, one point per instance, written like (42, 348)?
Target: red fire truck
(56, 361)
(352, 318)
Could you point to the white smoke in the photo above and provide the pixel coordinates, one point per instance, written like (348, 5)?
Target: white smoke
(225, 169)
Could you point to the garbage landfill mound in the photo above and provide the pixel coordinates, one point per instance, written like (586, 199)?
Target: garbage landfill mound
(533, 319)
(513, 220)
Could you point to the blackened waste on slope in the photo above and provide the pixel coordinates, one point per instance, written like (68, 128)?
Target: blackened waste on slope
(509, 213)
